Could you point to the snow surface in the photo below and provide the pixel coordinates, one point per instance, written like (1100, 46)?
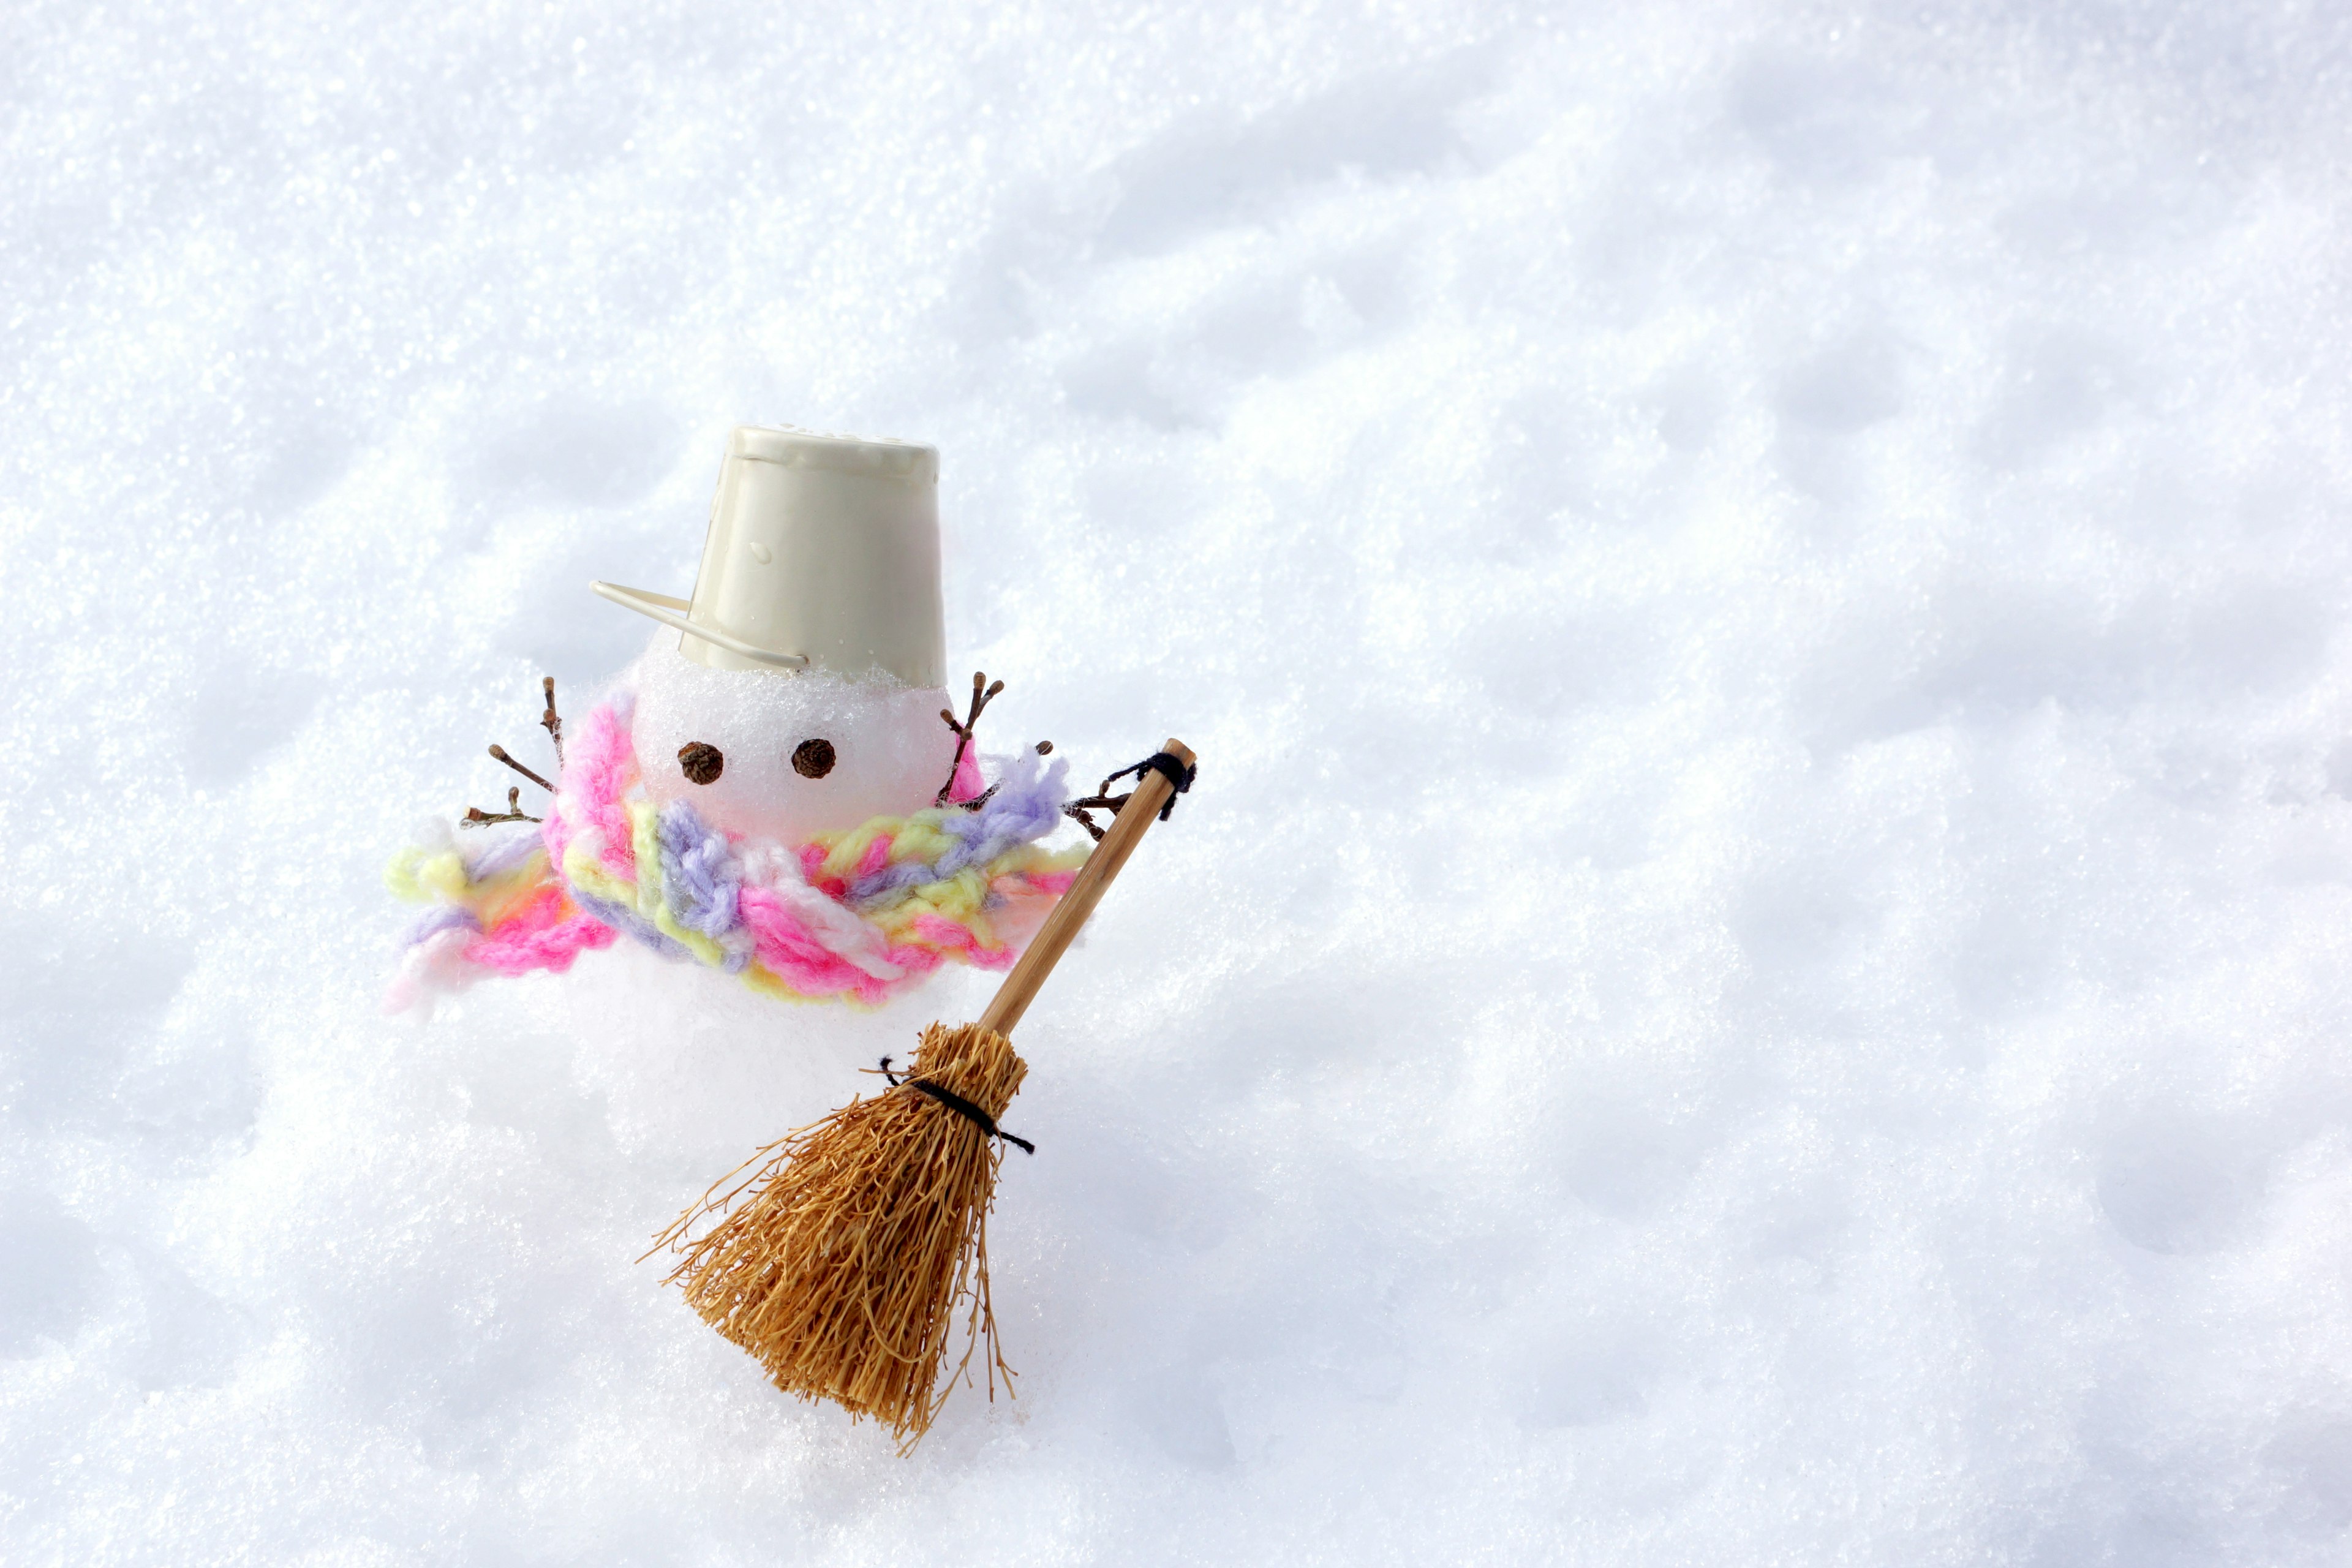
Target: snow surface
(1757, 972)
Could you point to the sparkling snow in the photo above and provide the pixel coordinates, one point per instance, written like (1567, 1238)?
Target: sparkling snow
(1757, 971)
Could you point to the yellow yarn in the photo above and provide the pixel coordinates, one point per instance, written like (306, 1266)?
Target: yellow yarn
(587, 873)
(644, 833)
(421, 877)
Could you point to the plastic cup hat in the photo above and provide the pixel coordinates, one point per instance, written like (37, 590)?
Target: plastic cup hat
(823, 554)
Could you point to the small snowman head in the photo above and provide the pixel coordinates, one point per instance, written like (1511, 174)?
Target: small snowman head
(765, 754)
(804, 694)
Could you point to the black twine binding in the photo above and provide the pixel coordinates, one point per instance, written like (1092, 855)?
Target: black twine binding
(959, 1105)
(1167, 767)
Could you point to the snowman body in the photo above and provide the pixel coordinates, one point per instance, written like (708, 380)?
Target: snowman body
(691, 1066)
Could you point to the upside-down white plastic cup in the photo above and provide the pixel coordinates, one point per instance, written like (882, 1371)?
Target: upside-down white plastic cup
(823, 552)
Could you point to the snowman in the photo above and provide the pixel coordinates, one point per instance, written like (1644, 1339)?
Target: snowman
(775, 803)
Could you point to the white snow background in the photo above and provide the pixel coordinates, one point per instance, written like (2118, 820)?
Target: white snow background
(1756, 973)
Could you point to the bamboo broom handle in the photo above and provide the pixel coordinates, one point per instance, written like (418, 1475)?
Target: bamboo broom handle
(1061, 927)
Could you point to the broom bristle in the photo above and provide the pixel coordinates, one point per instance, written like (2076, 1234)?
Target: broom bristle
(857, 1238)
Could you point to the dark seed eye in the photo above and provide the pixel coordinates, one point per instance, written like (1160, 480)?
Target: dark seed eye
(700, 761)
(812, 759)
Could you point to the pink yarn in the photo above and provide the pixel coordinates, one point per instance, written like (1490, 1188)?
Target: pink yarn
(511, 951)
(944, 933)
(915, 959)
(784, 945)
(598, 768)
(968, 784)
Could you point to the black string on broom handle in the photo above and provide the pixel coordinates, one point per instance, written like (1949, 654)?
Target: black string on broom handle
(1179, 776)
(959, 1105)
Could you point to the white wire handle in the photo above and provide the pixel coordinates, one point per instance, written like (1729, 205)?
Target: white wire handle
(673, 613)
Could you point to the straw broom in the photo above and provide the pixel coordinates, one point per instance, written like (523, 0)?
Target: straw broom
(857, 1237)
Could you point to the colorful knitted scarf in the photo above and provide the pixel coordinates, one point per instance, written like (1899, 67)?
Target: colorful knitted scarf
(855, 917)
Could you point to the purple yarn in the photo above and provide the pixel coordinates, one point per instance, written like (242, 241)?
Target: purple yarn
(699, 872)
(1026, 807)
(504, 855)
(625, 919)
(868, 892)
(447, 917)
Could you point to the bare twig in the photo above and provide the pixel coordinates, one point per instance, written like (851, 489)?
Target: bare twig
(550, 721)
(477, 817)
(500, 752)
(1101, 800)
(979, 701)
(1077, 810)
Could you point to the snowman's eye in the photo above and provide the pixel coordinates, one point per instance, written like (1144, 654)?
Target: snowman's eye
(700, 761)
(812, 759)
